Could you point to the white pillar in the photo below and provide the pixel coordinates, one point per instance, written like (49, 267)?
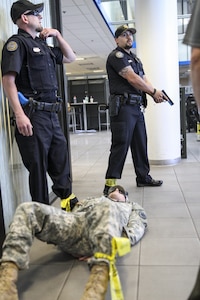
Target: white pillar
(157, 47)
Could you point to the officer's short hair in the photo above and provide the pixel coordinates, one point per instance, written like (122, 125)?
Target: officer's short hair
(120, 188)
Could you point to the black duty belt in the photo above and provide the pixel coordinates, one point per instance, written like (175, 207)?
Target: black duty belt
(131, 99)
(45, 106)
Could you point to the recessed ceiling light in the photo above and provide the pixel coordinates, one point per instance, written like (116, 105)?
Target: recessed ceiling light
(98, 71)
(80, 58)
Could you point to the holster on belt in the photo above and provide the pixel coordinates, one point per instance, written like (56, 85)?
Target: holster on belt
(144, 99)
(29, 108)
(114, 105)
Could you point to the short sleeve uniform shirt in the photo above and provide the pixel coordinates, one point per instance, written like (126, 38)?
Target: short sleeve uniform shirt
(116, 61)
(33, 62)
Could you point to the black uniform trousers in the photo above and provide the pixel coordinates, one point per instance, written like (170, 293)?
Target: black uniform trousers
(128, 130)
(45, 152)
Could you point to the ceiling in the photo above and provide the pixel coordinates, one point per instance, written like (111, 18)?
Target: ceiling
(89, 36)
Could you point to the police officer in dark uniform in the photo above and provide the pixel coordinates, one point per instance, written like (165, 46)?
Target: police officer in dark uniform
(128, 87)
(29, 66)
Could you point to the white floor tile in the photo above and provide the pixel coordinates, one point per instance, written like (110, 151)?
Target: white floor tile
(163, 266)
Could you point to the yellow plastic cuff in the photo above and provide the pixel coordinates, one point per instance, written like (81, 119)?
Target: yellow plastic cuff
(120, 246)
(65, 203)
(111, 182)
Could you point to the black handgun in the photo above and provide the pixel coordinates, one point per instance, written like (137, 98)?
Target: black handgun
(168, 99)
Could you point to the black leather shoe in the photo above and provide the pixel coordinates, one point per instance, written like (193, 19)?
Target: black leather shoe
(73, 202)
(105, 191)
(150, 182)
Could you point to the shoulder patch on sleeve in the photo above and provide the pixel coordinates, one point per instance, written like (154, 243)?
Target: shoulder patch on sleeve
(12, 46)
(119, 54)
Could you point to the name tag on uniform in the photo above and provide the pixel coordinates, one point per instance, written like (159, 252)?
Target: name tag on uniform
(36, 50)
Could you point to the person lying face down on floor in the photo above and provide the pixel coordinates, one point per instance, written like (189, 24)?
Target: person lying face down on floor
(84, 232)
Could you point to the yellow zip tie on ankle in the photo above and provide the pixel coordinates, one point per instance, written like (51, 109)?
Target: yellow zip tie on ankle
(111, 182)
(65, 203)
(120, 246)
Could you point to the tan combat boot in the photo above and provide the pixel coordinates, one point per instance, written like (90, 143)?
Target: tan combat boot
(8, 279)
(97, 284)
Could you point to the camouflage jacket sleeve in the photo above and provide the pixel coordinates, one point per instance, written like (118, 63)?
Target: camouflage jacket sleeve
(137, 224)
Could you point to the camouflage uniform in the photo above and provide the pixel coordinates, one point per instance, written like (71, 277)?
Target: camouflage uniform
(85, 231)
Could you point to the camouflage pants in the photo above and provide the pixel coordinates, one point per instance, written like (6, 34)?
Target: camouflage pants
(80, 233)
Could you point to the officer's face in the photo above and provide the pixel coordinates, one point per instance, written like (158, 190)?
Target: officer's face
(125, 40)
(117, 196)
(34, 18)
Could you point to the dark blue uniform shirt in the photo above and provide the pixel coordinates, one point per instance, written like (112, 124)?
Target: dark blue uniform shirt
(35, 64)
(117, 60)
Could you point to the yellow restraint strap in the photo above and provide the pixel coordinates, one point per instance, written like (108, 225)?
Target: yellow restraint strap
(111, 182)
(120, 246)
(65, 203)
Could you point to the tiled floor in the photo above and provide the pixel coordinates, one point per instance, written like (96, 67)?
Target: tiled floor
(164, 264)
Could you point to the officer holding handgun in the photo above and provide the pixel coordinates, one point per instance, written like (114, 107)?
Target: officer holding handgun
(128, 88)
(29, 66)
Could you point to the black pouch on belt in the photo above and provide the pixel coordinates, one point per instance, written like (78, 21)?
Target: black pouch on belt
(114, 105)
